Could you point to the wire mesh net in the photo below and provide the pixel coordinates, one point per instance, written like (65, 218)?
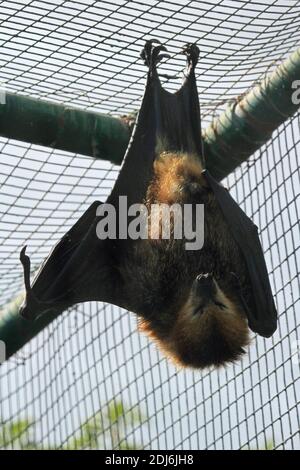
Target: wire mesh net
(89, 380)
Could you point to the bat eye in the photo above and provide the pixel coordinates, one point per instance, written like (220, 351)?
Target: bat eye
(198, 310)
(235, 281)
(220, 305)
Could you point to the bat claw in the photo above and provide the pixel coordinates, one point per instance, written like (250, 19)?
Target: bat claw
(151, 54)
(31, 304)
(23, 256)
(161, 57)
(25, 260)
(191, 51)
(147, 50)
(153, 41)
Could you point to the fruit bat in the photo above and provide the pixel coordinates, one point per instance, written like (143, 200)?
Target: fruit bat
(197, 305)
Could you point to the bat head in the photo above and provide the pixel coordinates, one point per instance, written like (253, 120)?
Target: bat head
(209, 329)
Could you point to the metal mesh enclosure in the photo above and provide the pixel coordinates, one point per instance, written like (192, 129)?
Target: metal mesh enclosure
(90, 380)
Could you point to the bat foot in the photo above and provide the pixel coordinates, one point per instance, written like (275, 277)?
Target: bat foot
(151, 54)
(191, 51)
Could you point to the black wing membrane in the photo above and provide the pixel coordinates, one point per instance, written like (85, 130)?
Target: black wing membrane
(80, 267)
(262, 316)
(166, 122)
(77, 270)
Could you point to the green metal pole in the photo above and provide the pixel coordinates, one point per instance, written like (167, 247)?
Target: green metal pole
(15, 331)
(62, 127)
(243, 128)
(230, 139)
(249, 123)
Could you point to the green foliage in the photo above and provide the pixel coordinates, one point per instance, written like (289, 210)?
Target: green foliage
(107, 429)
(17, 435)
(268, 446)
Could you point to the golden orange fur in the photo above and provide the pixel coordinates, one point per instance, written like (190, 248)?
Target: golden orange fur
(171, 171)
(189, 332)
(200, 341)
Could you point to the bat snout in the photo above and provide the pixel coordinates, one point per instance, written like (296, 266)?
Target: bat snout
(205, 294)
(204, 278)
(205, 286)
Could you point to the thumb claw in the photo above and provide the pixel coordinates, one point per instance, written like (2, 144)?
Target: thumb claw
(23, 256)
(25, 260)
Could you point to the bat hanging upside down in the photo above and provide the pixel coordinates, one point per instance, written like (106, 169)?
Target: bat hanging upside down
(197, 304)
(191, 301)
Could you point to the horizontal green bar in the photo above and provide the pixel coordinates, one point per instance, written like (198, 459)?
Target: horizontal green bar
(62, 127)
(249, 123)
(15, 331)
